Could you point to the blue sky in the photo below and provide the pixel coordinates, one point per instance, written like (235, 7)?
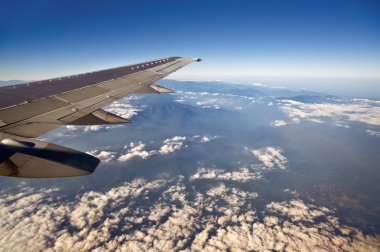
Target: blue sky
(242, 40)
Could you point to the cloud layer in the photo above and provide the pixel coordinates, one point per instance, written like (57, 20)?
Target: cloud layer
(363, 111)
(131, 217)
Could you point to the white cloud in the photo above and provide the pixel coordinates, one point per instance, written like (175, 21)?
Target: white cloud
(219, 218)
(135, 150)
(217, 100)
(71, 127)
(180, 100)
(124, 110)
(172, 144)
(363, 111)
(104, 156)
(292, 192)
(204, 138)
(138, 149)
(92, 128)
(278, 123)
(366, 101)
(373, 133)
(75, 128)
(270, 157)
(242, 175)
(341, 124)
(213, 106)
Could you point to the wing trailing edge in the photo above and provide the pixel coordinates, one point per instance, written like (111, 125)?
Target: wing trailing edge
(99, 117)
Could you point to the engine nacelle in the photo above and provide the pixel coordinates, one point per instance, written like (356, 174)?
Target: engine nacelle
(30, 158)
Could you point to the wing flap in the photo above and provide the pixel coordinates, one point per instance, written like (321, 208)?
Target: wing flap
(30, 129)
(82, 94)
(99, 117)
(161, 89)
(27, 110)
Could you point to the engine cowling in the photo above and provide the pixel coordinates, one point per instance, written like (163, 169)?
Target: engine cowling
(30, 158)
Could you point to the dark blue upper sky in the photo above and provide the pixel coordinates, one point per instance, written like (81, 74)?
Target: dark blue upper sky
(323, 38)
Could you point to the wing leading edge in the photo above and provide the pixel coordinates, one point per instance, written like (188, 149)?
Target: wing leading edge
(32, 109)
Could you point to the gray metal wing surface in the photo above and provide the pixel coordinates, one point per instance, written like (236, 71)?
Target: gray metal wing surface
(32, 109)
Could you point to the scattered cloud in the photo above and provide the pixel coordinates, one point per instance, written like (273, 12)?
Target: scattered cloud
(204, 139)
(292, 192)
(242, 175)
(91, 128)
(373, 133)
(138, 149)
(135, 150)
(104, 156)
(214, 100)
(172, 144)
(180, 100)
(125, 107)
(341, 124)
(270, 157)
(278, 123)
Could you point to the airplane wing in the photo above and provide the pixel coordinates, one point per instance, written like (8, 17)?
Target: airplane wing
(32, 109)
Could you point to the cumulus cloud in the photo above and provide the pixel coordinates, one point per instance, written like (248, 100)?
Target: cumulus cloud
(131, 217)
(123, 109)
(242, 175)
(104, 156)
(172, 144)
(135, 150)
(359, 110)
(278, 123)
(276, 232)
(139, 149)
(91, 128)
(270, 157)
